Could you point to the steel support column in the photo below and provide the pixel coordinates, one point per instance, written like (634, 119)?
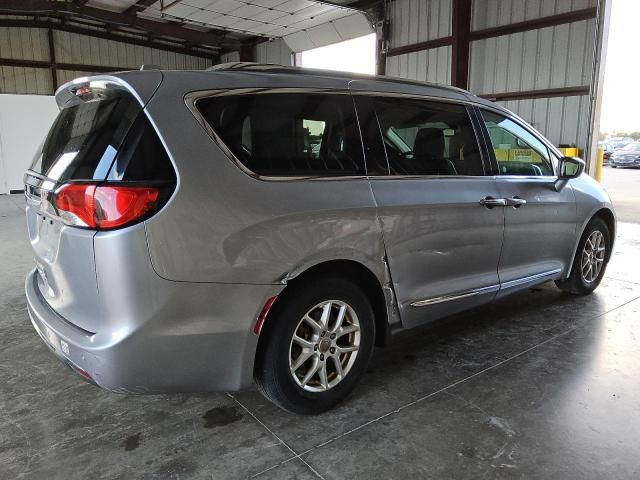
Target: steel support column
(52, 59)
(247, 53)
(381, 13)
(460, 45)
(597, 84)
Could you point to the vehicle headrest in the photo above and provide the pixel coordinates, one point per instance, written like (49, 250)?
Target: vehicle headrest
(429, 144)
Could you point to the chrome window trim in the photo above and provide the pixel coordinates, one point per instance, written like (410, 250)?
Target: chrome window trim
(430, 177)
(191, 98)
(538, 178)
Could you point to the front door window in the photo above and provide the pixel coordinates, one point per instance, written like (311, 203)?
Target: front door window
(517, 151)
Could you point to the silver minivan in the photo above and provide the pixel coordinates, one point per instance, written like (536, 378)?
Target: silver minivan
(203, 230)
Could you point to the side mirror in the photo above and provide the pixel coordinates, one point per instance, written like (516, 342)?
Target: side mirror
(570, 167)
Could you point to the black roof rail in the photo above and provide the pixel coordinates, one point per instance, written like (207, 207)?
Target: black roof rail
(275, 68)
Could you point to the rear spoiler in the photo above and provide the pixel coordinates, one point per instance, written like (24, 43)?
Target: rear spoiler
(141, 84)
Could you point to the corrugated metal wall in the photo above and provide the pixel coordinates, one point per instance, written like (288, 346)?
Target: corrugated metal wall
(33, 44)
(432, 65)
(414, 21)
(74, 48)
(491, 13)
(561, 120)
(274, 51)
(25, 44)
(553, 57)
(230, 57)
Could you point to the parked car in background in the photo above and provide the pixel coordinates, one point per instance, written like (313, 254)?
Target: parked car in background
(186, 237)
(628, 156)
(619, 142)
(607, 150)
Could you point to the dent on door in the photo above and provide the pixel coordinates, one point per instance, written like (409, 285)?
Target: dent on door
(539, 234)
(443, 246)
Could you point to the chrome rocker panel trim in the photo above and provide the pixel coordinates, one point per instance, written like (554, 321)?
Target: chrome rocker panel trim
(490, 289)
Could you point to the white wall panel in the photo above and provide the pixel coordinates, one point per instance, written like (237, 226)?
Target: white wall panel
(24, 122)
(275, 51)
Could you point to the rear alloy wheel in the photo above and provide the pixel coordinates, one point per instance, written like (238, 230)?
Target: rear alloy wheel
(324, 346)
(590, 261)
(318, 342)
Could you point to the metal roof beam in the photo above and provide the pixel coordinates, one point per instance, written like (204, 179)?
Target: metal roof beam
(139, 6)
(79, 67)
(536, 23)
(362, 5)
(70, 10)
(112, 35)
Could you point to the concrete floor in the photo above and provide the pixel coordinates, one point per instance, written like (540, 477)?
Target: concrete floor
(623, 187)
(540, 385)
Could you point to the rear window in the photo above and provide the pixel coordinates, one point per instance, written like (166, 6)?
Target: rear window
(86, 136)
(141, 156)
(288, 134)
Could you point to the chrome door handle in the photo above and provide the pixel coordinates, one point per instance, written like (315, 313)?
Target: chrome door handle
(491, 202)
(516, 202)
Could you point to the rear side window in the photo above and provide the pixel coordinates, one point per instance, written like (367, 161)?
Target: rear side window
(428, 138)
(86, 136)
(288, 134)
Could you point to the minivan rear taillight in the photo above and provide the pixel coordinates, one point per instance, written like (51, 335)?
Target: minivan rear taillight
(103, 206)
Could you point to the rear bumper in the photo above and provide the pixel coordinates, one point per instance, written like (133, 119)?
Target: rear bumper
(198, 337)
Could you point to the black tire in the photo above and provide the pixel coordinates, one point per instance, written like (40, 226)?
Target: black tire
(272, 373)
(576, 283)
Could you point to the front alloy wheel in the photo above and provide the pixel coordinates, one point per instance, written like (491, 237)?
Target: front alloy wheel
(593, 257)
(590, 260)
